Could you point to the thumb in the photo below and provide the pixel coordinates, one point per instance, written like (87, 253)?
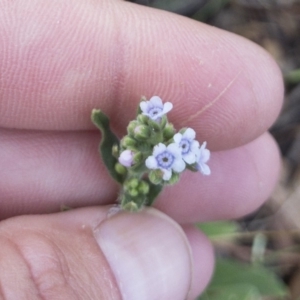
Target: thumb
(83, 254)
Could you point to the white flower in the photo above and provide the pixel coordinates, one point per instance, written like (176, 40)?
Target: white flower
(166, 158)
(188, 145)
(202, 158)
(126, 158)
(154, 108)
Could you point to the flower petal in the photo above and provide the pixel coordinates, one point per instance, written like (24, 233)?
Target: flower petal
(156, 101)
(205, 155)
(190, 158)
(203, 146)
(167, 107)
(144, 106)
(204, 169)
(189, 134)
(175, 150)
(178, 165)
(177, 138)
(194, 146)
(158, 149)
(151, 162)
(167, 174)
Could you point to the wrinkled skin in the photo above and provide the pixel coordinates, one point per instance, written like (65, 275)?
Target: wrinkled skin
(60, 59)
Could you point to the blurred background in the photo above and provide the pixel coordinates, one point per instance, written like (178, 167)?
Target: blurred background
(258, 257)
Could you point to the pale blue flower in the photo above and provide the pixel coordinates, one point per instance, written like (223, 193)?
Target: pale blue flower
(167, 159)
(188, 145)
(126, 158)
(202, 158)
(154, 108)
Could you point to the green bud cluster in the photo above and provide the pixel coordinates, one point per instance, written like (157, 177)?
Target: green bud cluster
(136, 187)
(143, 134)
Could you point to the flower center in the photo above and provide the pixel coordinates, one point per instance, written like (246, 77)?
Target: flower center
(165, 160)
(185, 146)
(154, 111)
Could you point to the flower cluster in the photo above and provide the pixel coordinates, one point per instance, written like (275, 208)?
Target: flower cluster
(169, 156)
(152, 153)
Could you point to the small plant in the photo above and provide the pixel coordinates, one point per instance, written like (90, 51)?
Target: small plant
(151, 155)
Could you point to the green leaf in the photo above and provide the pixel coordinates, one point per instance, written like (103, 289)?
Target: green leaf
(230, 273)
(108, 140)
(211, 9)
(154, 190)
(220, 229)
(233, 292)
(293, 77)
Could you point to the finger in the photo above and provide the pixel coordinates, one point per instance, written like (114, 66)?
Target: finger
(203, 257)
(43, 171)
(60, 60)
(242, 180)
(84, 254)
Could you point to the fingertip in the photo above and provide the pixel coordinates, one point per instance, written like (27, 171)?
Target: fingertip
(241, 98)
(263, 82)
(242, 180)
(222, 85)
(229, 89)
(96, 255)
(148, 253)
(267, 166)
(203, 260)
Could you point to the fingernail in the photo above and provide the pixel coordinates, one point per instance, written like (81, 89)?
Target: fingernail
(148, 253)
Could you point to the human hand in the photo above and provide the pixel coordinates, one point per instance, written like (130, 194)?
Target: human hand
(59, 60)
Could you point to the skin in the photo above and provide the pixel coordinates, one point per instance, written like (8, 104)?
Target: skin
(59, 60)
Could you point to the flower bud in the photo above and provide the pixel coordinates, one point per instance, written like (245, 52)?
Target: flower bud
(115, 151)
(131, 187)
(130, 206)
(120, 169)
(126, 158)
(138, 158)
(156, 176)
(143, 98)
(155, 125)
(141, 132)
(132, 183)
(174, 178)
(143, 187)
(163, 121)
(131, 126)
(128, 142)
(143, 119)
(133, 192)
(168, 131)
